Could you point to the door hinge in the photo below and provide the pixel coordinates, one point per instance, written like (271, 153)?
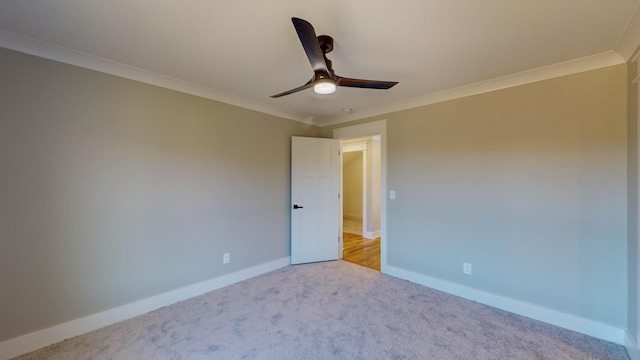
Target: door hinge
(338, 195)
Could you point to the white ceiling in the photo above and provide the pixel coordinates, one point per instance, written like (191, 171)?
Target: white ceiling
(242, 51)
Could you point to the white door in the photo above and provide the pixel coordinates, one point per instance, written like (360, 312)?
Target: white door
(315, 202)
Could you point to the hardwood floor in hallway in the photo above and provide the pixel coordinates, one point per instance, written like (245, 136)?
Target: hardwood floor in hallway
(361, 251)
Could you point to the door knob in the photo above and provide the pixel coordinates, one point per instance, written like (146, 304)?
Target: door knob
(297, 207)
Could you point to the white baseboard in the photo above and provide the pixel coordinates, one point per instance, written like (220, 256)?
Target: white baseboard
(632, 347)
(550, 316)
(39, 339)
(371, 234)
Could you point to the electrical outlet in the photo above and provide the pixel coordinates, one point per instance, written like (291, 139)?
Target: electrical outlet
(226, 258)
(466, 268)
(392, 194)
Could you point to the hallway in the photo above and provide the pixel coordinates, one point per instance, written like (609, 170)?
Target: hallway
(361, 251)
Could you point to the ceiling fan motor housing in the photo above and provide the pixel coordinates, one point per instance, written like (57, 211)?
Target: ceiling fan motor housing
(326, 43)
(319, 75)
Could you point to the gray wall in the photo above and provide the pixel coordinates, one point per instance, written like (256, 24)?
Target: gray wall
(113, 190)
(529, 184)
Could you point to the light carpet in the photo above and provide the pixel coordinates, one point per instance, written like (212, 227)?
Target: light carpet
(332, 310)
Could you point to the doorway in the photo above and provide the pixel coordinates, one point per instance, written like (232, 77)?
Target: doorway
(373, 128)
(361, 164)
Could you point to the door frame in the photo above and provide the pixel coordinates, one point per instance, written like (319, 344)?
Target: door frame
(371, 129)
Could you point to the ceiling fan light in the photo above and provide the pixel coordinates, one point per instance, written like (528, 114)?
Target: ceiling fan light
(324, 86)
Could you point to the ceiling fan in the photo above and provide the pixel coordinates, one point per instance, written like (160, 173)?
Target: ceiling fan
(324, 80)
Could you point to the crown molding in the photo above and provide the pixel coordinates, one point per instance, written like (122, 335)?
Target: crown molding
(626, 48)
(630, 38)
(49, 51)
(593, 62)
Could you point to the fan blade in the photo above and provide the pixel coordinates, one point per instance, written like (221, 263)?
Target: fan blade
(299, 88)
(310, 43)
(368, 84)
